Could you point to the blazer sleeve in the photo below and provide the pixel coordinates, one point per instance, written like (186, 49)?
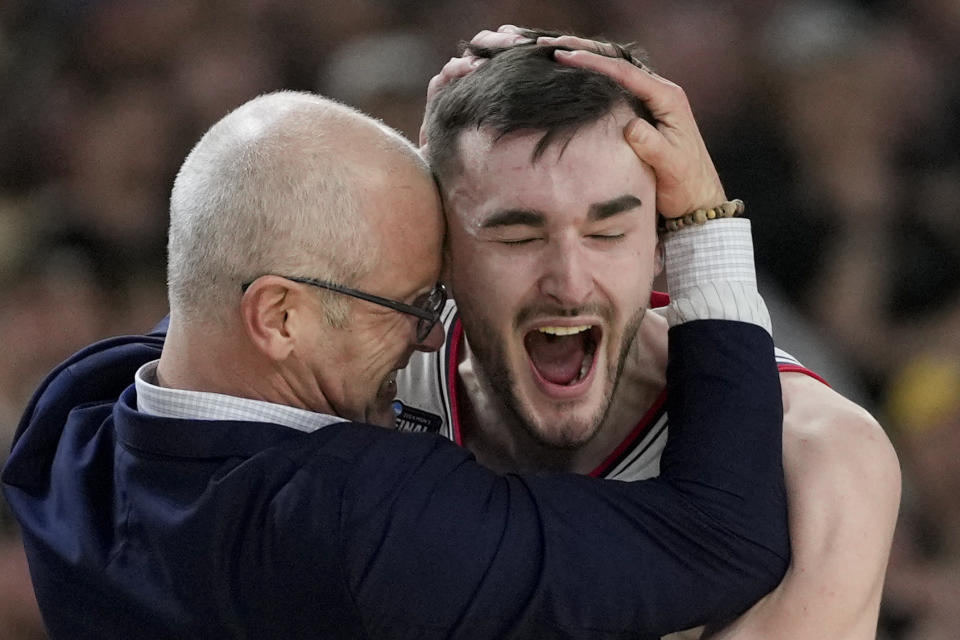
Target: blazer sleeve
(436, 546)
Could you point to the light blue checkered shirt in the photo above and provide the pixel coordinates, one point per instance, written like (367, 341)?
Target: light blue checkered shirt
(204, 405)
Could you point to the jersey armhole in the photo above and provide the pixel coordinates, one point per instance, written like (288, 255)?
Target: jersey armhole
(794, 368)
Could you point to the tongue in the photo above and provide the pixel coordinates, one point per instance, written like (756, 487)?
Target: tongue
(557, 358)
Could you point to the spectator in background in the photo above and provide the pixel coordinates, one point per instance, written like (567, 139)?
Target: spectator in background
(861, 111)
(382, 73)
(923, 584)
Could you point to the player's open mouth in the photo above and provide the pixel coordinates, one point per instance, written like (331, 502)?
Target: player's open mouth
(563, 356)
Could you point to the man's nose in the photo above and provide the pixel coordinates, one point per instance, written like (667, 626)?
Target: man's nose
(567, 277)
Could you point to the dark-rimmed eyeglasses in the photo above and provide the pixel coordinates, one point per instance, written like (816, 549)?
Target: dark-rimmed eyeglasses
(427, 307)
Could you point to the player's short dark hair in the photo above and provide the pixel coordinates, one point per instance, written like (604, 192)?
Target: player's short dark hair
(522, 88)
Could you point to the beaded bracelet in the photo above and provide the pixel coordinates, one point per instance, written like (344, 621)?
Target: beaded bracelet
(729, 209)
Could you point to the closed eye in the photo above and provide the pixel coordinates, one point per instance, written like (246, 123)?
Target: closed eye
(518, 241)
(607, 237)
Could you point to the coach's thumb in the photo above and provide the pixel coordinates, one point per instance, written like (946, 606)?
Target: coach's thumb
(637, 131)
(644, 139)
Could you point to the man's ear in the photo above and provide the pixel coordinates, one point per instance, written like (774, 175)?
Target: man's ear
(265, 309)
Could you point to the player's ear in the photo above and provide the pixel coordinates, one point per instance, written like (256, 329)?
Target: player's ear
(658, 258)
(270, 317)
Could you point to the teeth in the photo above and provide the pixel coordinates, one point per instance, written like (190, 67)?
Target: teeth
(585, 366)
(563, 331)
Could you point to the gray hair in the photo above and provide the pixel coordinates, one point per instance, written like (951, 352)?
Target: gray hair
(270, 188)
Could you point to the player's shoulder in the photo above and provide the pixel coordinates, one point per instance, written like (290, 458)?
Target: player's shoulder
(829, 430)
(835, 435)
(813, 406)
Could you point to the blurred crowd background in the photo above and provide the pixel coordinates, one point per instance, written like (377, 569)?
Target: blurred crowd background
(837, 122)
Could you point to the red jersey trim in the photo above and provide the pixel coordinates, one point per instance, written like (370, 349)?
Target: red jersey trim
(648, 418)
(793, 368)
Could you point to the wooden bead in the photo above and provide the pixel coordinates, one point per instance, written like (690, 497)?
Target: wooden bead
(729, 209)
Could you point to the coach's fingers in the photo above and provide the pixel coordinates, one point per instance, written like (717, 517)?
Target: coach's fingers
(665, 99)
(585, 44)
(686, 177)
(667, 163)
(648, 143)
(500, 39)
(454, 68)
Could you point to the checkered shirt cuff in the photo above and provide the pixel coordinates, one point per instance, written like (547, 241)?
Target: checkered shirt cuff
(710, 274)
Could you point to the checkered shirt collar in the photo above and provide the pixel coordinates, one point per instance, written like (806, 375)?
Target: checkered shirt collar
(204, 405)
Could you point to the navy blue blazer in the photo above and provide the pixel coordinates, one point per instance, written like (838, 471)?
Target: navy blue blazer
(144, 527)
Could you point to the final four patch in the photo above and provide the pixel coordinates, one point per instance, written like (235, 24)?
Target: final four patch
(415, 420)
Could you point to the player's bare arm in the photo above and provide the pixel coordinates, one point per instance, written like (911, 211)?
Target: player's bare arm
(843, 490)
(843, 477)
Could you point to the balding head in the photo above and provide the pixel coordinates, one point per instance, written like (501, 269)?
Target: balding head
(279, 186)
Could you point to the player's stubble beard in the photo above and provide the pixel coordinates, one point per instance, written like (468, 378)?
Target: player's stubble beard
(495, 375)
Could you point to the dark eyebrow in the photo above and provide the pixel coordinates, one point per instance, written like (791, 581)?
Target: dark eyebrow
(604, 210)
(510, 217)
(532, 218)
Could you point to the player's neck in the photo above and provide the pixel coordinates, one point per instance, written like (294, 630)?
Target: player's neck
(497, 437)
(643, 378)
